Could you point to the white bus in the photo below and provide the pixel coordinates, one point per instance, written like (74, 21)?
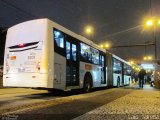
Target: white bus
(43, 54)
(122, 71)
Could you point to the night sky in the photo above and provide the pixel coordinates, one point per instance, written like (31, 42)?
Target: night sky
(115, 21)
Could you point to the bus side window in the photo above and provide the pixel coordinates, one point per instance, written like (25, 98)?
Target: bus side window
(59, 39)
(95, 56)
(117, 66)
(59, 42)
(68, 48)
(86, 52)
(74, 50)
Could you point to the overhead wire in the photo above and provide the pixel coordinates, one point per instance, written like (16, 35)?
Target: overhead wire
(120, 32)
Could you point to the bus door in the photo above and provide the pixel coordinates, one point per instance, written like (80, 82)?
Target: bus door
(72, 62)
(103, 69)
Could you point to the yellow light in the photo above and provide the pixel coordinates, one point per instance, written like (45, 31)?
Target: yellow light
(149, 23)
(107, 45)
(101, 46)
(132, 62)
(89, 29)
(158, 22)
(145, 58)
(149, 58)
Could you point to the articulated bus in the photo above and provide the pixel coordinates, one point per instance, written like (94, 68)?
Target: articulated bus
(122, 72)
(43, 54)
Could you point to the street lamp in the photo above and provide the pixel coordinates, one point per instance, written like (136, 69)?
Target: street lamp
(153, 23)
(149, 23)
(106, 46)
(89, 30)
(158, 22)
(147, 58)
(101, 46)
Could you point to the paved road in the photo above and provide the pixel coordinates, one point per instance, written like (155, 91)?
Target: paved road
(16, 98)
(33, 104)
(141, 104)
(28, 104)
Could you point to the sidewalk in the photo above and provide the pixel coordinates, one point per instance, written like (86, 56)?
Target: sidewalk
(145, 87)
(141, 104)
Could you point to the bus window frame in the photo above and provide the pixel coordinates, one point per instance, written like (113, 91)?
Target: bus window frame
(91, 48)
(127, 68)
(57, 49)
(118, 71)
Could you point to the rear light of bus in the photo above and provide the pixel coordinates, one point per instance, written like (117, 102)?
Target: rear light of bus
(21, 45)
(38, 65)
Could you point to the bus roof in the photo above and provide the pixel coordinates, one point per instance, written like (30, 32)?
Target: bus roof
(63, 29)
(120, 59)
(69, 32)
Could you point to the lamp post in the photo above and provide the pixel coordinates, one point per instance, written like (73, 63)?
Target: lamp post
(155, 41)
(153, 23)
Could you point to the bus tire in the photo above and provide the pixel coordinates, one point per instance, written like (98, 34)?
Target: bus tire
(118, 81)
(87, 83)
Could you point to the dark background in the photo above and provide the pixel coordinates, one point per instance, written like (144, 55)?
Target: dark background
(115, 21)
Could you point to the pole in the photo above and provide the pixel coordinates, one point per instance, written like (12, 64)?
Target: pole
(155, 42)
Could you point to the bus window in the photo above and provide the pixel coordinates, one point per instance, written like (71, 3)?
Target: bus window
(95, 56)
(127, 70)
(74, 50)
(68, 47)
(103, 61)
(85, 52)
(59, 38)
(117, 66)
